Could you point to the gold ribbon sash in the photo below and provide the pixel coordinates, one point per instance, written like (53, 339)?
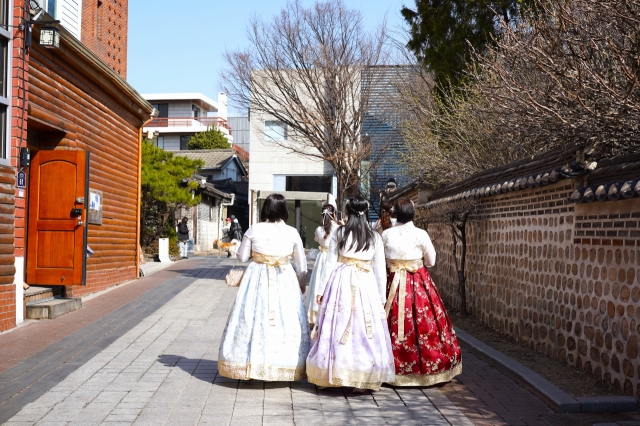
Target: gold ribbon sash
(272, 262)
(400, 267)
(324, 249)
(360, 266)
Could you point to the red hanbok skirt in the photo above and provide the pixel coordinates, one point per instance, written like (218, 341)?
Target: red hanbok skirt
(429, 353)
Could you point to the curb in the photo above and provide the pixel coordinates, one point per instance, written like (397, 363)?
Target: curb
(553, 396)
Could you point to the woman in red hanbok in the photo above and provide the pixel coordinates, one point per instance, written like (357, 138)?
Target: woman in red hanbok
(425, 346)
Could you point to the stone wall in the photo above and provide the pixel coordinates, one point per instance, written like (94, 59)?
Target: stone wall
(562, 277)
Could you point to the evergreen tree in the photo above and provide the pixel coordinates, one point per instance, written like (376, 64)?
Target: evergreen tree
(163, 191)
(444, 33)
(212, 138)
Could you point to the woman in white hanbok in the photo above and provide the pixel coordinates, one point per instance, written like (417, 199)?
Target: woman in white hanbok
(353, 347)
(322, 236)
(267, 335)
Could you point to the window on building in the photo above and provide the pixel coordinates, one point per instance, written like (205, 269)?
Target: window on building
(195, 110)
(5, 36)
(51, 7)
(309, 183)
(184, 140)
(275, 131)
(3, 13)
(163, 110)
(160, 142)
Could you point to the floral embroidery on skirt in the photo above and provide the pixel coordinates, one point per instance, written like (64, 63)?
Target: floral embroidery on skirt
(429, 353)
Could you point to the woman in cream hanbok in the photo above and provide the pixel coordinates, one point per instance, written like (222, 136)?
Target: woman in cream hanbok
(323, 235)
(353, 346)
(425, 346)
(267, 335)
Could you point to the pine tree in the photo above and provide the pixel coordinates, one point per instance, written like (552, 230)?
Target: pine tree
(212, 138)
(444, 33)
(163, 191)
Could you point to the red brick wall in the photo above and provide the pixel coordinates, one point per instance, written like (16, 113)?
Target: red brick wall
(104, 31)
(103, 279)
(19, 84)
(7, 259)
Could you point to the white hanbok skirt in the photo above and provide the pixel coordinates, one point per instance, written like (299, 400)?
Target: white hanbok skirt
(252, 347)
(312, 303)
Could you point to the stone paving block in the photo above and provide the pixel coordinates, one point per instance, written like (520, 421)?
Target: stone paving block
(164, 370)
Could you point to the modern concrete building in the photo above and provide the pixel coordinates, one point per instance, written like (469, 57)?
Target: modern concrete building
(308, 182)
(182, 115)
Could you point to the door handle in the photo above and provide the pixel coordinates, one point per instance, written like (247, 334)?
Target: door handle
(80, 223)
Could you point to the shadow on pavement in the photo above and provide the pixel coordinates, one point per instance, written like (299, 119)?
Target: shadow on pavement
(207, 371)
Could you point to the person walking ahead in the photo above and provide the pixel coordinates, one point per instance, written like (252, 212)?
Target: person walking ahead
(353, 346)
(183, 237)
(425, 346)
(267, 335)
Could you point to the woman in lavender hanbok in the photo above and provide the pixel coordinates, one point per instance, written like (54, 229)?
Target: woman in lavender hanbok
(267, 335)
(323, 235)
(353, 347)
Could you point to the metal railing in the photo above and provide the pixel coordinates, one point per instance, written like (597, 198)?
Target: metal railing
(190, 122)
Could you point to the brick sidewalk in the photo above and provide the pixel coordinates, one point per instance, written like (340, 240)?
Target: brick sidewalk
(487, 397)
(146, 354)
(23, 342)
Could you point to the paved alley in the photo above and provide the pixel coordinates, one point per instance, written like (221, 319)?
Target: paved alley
(153, 361)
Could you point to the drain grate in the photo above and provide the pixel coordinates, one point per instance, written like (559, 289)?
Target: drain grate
(584, 419)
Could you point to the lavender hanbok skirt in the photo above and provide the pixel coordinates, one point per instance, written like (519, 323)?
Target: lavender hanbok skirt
(356, 354)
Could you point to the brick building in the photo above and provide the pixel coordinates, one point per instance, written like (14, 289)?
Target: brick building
(104, 31)
(82, 123)
(553, 255)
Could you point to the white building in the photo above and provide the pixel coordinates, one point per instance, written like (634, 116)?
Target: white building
(182, 115)
(306, 183)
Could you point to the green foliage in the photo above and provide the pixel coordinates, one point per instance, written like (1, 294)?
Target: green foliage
(163, 191)
(212, 138)
(445, 33)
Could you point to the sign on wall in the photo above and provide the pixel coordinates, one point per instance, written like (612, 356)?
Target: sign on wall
(95, 207)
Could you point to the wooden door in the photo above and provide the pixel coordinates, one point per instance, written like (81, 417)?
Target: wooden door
(55, 240)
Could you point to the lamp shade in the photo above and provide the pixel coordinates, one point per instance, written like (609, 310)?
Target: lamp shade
(50, 37)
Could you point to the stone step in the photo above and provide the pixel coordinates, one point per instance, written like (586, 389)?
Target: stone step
(37, 294)
(51, 309)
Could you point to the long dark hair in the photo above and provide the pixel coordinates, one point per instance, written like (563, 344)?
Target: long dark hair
(357, 226)
(385, 215)
(328, 216)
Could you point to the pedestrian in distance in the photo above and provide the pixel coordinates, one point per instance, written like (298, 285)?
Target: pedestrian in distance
(267, 335)
(225, 230)
(235, 230)
(353, 348)
(323, 236)
(425, 346)
(183, 238)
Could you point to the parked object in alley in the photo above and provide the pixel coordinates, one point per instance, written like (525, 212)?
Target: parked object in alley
(353, 347)
(267, 336)
(425, 347)
(163, 250)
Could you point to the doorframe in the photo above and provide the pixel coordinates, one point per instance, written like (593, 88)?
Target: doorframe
(85, 231)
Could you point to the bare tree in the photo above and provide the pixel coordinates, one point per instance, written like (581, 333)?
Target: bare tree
(456, 215)
(569, 75)
(448, 135)
(313, 70)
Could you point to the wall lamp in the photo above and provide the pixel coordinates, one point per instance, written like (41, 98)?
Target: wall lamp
(49, 34)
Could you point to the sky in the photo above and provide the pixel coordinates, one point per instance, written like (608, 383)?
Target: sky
(178, 45)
